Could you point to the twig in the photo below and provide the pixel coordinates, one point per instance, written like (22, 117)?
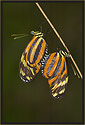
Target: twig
(59, 38)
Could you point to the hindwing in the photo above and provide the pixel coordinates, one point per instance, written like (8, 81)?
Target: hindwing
(27, 73)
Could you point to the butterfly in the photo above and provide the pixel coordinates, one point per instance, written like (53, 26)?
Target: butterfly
(55, 70)
(32, 56)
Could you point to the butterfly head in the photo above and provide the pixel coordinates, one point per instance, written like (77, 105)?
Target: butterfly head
(37, 33)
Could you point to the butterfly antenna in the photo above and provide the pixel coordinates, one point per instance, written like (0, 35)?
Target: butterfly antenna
(17, 36)
(74, 71)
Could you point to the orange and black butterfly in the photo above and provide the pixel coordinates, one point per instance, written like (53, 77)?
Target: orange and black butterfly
(55, 70)
(31, 58)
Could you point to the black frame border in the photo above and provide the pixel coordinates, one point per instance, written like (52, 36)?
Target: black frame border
(2, 64)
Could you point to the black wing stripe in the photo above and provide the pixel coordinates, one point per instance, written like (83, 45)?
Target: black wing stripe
(51, 64)
(37, 51)
(30, 50)
(57, 68)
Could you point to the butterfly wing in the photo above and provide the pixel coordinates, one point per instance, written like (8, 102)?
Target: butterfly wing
(30, 62)
(55, 70)
(59, 81)
(59, 86)
(27, 73)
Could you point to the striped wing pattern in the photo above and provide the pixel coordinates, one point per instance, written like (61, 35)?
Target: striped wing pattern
(55, 70)
(54, 65)
(26, 72)
(31, 58)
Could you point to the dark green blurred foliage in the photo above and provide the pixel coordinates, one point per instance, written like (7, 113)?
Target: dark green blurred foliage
(33, 102)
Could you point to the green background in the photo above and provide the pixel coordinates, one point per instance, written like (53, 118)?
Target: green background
(33, 102)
